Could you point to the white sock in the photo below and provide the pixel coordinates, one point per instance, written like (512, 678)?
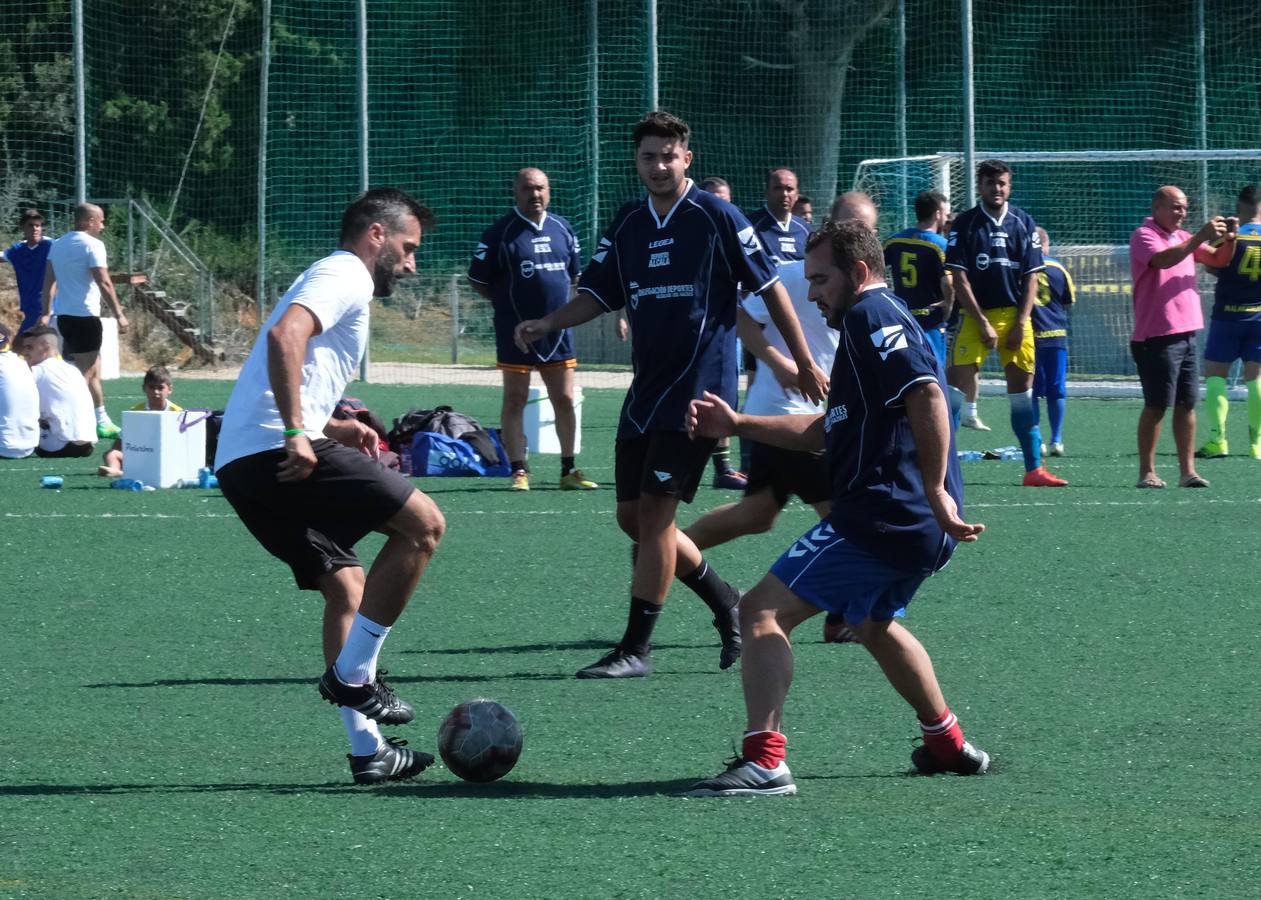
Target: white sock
(357, 663)
(365, 736)
(102, 417)
(969, 410)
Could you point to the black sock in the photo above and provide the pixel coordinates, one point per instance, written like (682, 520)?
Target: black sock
(746, 454)
(721, 458)
(566, 465)
(518, 465)
(639, 625)
(706, 584)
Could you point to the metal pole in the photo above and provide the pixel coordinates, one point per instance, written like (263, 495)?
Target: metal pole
(455, 318)
(969, 108)
(593, 125)
(901, 103)
(362, 20)
(1201, 103)
(80, 108)
(652, 55)
(260, 281)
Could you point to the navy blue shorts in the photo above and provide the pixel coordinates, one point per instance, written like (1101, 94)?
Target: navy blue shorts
(829, 572)
(1230, 339)
(1050, 372)
(555, 349)
(661, 464)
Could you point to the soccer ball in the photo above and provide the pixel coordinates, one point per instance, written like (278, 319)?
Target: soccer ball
(480, 740)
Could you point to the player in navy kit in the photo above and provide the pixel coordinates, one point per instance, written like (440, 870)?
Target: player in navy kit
(917, 258)
(783, 233)
(674, 260)
(895, 520)
(1050, 342)
(526, 264)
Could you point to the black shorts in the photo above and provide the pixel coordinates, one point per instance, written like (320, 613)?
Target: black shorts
(1168, 369)
(81, 334)
(313, 525)
(788, 472)
(661, 464)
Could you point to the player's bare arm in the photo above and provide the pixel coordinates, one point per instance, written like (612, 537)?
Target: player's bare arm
(967, 300)
(100, 274)
(1212, 230)
(753, 337)
(928, 414)
(577, 311)
(354, 434)
(712, 417)
(1029, 295)
(286, 351)
(1222, 252)
(811, 380)
(50, 291)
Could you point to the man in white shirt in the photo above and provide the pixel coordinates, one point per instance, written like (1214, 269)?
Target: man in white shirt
(308, 486)
(66, 423)
(76, 277)
(19, 403)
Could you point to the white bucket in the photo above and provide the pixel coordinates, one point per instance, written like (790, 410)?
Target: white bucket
(162, 448)
(540, 423)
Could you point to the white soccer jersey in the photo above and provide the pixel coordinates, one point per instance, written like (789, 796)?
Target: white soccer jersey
(65, 405)
(19, 407)
(72, 257)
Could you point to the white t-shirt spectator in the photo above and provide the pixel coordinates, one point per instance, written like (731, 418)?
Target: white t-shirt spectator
(65, 405)
(337, 290)
(766, 397)
(72, 257)
(19, 407)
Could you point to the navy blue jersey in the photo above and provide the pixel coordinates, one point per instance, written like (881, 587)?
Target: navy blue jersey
(677, 278)
(1238, 295)
(783, 243)
(528, 269)
(878, 499)
(1050, 310)
(917, 259)
(996, 254)
(28, 265)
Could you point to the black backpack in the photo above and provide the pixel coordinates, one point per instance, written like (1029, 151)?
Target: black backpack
(443, 420)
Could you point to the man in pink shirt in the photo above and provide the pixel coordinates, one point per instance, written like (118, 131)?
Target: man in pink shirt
(1167, 315)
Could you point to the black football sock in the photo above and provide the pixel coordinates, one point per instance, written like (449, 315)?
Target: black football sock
(642, 619)
(518, 465)
(718, 595)
(721, 458)
(566, 465)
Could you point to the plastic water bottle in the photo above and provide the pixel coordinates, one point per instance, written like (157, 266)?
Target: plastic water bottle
(205, 476)
(127, 484)
(210, 481)
(52, 482)
(405, 459)
(968, 455)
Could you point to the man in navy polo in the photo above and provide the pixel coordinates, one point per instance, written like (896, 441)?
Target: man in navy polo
(897, 496)
(675, 260)
(782, 232)
(526, 264)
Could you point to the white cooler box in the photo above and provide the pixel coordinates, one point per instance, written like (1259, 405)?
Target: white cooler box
(161, 448)
(540, 423)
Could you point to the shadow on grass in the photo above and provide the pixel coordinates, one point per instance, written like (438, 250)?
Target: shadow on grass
(412, 679)
(547, 648)
(446, 790)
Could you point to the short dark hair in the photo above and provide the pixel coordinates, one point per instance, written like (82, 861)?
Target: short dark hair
(713, 182)
(388, 206)
(157, 375)
(992, 168)
(851, 241)
(30, 215)
(1250, 197)
(802, 198)
(661, 124)
(40, 331)
(927, 203)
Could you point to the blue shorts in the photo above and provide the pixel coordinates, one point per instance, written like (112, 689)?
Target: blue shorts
(829, 572)
(1050, 372)
(1229, 340)
(937, 340)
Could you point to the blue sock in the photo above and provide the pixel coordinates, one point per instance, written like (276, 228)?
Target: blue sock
(956, 404)
(1037, 411)
(1024, 422)
(1055, 416)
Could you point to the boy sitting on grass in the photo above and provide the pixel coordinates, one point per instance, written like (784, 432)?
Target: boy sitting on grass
(157, 392)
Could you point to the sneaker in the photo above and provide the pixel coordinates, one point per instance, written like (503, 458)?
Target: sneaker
(520, 480)
(731, 480)
(376, 700)
(393, 762)
(1040, 477)
(574, 481)
(744, 778)
(1042, 449)
(970, 761)
(837, 631)
(974, 422)
(107, 430)
(1213, 450)
(617, 663)
(1057, 449)
(728, 625)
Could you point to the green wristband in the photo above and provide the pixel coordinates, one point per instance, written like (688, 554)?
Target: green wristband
(294, 432)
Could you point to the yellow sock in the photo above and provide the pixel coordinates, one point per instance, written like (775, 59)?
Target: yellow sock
(1216, 405)
(1254, 416)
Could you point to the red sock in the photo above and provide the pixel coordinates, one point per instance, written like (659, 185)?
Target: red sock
(766, 748)
(943, 736)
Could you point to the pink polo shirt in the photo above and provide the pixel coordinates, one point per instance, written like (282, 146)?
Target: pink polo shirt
(1165, 300)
